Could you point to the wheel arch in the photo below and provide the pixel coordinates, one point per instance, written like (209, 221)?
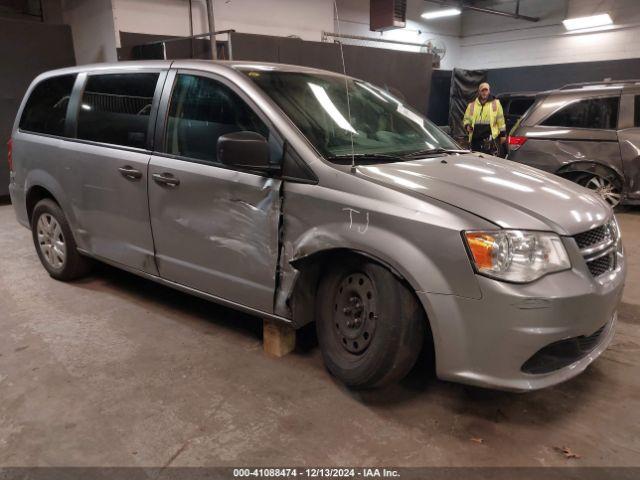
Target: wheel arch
(310, 270)
(41, 182)
(35, 194)
(572, 170)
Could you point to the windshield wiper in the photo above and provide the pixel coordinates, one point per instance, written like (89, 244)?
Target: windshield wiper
(347, 158)
(433, 151)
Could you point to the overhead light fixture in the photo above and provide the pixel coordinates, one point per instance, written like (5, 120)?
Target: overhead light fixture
(592, 21)
(447, 12)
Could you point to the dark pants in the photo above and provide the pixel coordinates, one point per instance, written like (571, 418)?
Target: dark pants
(484, 145)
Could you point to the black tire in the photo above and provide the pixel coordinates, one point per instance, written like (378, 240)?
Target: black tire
(385, 343)
(609, 188)
(69, 266)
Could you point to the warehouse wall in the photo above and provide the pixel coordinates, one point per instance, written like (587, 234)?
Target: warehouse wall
(494, 42)
(91, 23)
(305, 19)
(27, 48)
(354, 20)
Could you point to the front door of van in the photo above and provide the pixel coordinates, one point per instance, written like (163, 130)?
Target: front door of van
(215, 229)
(108, 165)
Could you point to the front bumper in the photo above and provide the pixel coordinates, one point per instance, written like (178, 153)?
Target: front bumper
(486, 342)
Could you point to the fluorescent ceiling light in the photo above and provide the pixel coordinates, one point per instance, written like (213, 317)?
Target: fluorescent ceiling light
(587, 22)
(447, 12)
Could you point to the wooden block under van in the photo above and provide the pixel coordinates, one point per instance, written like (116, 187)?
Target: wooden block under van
(278, 340)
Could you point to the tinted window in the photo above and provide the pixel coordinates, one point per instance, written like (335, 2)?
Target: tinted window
(116, 108)
(201, 111)
(637, 111)
(593, 113)
(519, 106)
(46, 108)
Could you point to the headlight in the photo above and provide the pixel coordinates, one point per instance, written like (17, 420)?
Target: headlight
(516, 255)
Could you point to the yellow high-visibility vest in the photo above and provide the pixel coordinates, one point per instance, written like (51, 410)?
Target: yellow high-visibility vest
(488, 114)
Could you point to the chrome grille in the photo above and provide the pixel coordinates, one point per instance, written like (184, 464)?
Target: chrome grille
(602, 265)
(591, 237)
(598, 247)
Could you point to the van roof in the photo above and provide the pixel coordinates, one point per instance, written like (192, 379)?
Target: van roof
(188, 63)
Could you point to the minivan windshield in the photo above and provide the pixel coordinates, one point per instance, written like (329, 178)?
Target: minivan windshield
(382, 127)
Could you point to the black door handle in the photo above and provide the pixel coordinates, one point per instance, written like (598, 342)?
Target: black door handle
(130, 173)
(165, 179)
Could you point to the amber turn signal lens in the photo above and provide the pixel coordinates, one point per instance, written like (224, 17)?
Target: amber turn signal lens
(482, 246)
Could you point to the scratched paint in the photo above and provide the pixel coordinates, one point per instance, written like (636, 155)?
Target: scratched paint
(353, 212)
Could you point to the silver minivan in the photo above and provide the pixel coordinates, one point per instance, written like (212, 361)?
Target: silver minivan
(301, 196)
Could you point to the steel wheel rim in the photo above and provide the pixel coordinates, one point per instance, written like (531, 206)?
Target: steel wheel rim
(355, 313)
(51, 240)
(605, 188)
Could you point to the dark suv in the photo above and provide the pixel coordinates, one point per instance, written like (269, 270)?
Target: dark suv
(588, 133)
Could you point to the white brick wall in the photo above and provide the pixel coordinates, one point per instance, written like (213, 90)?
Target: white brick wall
(473, 40)
(91, 23)
(304, 18)
(493, 42)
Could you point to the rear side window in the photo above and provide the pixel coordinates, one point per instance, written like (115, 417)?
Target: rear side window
(637, 111)
(600, 113)
(202, 110)
(116, 108)
(46, 108)
(519, 106)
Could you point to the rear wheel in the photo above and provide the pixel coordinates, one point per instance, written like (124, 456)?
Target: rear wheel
(608, 188)
(370, 326)
(55, 244)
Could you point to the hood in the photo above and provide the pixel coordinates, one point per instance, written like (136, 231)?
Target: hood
(506, 193)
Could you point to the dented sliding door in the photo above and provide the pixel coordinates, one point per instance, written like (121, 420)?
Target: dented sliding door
(215, 228)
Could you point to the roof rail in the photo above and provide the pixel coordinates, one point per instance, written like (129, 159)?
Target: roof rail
(595, 84)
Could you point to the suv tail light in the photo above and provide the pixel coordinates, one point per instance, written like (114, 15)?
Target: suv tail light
(515, 142)
(10, 154)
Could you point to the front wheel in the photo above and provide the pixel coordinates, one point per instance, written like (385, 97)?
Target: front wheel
(608, 188)
(370, 326)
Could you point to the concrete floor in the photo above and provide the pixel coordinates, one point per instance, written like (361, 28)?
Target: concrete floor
(119, 371)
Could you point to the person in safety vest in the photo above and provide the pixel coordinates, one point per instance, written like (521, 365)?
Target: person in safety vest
(484, 122)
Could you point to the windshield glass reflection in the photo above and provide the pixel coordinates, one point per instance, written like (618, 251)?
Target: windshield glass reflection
(378, 122)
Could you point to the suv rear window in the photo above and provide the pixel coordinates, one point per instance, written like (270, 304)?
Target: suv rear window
(46, 108)
(519, 106)
(115, 108)
(599, 113)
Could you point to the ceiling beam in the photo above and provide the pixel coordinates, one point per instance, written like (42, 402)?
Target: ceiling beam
(467, 6)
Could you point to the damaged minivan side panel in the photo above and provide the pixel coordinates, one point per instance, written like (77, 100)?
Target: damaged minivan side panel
(218, 233)
(320, 225)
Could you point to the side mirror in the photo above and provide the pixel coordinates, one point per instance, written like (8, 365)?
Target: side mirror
(248, 150)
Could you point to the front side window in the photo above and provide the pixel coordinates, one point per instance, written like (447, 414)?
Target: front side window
(202, 110)
(116, 108)
(599, 113)
(369, 119)
(46, 108)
